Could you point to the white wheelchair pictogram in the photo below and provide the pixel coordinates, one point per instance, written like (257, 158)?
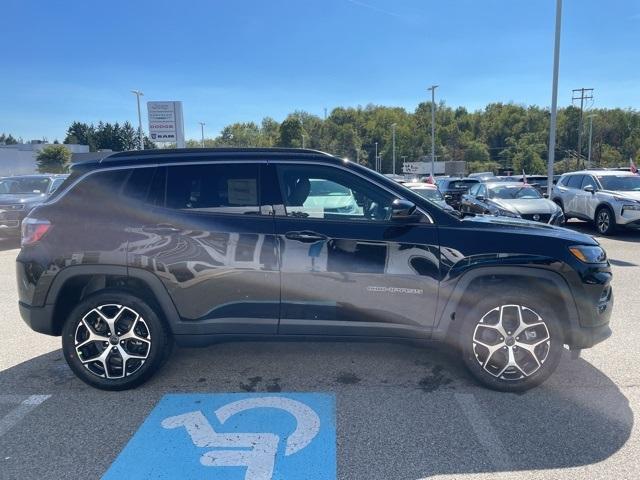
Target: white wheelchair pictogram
(260, 459)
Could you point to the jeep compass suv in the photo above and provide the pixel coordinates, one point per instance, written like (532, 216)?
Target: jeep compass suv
(143, 249)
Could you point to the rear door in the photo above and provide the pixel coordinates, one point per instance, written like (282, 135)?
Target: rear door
(347, 269)
(572, 196)
(206, 235)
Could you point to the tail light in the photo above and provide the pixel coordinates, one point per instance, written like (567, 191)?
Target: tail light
(33, 230)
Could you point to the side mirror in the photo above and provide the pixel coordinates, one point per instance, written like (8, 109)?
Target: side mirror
(480, 198)
(589, 189)
(545, 195)
(448, 197)
(402, 209)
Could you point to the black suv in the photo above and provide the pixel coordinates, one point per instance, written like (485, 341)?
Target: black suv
(454, 188)
(143, 249)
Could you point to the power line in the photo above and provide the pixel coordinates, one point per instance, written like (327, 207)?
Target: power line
(585, 94)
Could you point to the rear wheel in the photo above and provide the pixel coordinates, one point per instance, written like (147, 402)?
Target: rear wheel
(511, 341)
(605, 221)
(114, 341)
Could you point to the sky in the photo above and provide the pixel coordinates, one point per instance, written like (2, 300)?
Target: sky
(242, 60)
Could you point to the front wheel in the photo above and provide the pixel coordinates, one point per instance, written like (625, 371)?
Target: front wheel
(511, 342)
(113, 340)
(605, 221)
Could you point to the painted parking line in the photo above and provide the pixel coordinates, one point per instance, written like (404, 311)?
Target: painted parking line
(16, 414)
(249, 436)
(484, 431)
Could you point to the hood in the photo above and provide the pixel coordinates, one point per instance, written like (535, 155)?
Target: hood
(629, 195)
(526, 206)
(520, 225)
(9, 198)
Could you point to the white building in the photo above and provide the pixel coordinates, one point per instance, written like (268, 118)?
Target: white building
(20, 159)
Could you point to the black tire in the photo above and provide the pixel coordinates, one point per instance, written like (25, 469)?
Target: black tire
(156, 349)
(486, 369)
(605, 221)
(564, 215)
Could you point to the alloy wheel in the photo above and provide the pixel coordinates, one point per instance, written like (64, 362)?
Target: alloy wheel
(112, 341)
(511, 342)
(603, 221)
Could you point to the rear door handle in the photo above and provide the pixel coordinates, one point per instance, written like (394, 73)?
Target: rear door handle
(305, 236)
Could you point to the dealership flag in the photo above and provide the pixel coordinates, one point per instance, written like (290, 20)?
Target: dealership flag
(524, 177)
(633, 167)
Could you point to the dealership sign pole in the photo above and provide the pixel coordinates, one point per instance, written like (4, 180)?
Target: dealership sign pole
(166, 122)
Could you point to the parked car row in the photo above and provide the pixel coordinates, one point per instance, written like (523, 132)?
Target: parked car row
(20, 194)
(609, 198)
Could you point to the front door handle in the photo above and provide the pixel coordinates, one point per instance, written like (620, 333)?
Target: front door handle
(305, 236)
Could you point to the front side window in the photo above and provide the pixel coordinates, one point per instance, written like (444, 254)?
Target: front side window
(213, 188)
(588, 181)
(311, 191)
(575, 181)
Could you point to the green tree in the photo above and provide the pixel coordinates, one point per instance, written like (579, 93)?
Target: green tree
(81, 133)
(290, 133)
(8, 139)
(476, 151)
(53, 159)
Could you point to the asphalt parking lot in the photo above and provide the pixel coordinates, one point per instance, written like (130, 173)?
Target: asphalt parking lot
(401, 411)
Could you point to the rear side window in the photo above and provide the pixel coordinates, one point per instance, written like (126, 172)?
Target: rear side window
(574, 181)
(96, 191)
(138, 184)
(214, 188)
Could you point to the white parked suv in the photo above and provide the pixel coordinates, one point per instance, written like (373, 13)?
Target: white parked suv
(608, 198)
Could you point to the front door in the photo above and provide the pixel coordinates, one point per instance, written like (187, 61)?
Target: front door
(345, 264)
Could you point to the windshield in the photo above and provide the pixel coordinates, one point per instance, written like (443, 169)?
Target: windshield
(429, 193)
(513, 191)
(621, 183)
(17, 185)
(460, 184)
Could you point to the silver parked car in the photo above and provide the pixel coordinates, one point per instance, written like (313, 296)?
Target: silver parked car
(608, 198)
(510, 199)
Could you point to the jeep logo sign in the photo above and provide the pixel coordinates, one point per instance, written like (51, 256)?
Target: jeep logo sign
(166, 123)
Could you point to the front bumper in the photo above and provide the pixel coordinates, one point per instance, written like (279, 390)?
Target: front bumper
(627, 218)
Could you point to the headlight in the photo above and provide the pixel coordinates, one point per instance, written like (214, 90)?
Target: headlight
(631, 206)
(506, 213)
(589, 253)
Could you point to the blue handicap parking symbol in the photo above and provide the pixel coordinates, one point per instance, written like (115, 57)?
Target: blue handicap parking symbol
(243, 436)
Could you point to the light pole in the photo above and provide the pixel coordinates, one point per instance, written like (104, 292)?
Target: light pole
(554, 99)
(393, 130)
(138, 94)
(376, 167)
(590, 136)
(433, 126)
(202, 124)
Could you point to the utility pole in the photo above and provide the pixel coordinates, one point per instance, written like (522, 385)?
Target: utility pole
(393, 130)
(404, 159)
(554, 99)
(139, 94)
(202, 124)
(585, 94)
(433, 126)
(325, 113)
(590, 117)
(376, 167)
(303, 144)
